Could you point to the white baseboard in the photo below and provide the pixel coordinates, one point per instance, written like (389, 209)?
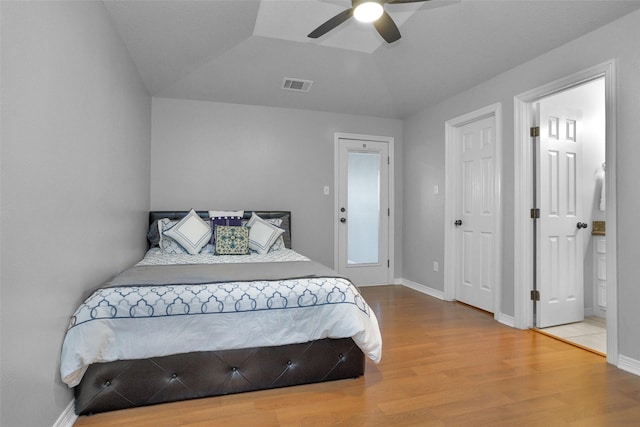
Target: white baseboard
(628, 364)
(505, 319)
(68, 417)
(421, 288)
(499, 317)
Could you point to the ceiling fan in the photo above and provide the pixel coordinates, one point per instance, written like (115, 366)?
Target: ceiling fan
(366, 11)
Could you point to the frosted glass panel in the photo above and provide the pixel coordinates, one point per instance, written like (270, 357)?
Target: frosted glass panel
(363, 208)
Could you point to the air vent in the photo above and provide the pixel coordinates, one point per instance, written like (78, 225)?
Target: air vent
(296, 85)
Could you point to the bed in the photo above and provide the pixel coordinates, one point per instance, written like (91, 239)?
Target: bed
(179, 326)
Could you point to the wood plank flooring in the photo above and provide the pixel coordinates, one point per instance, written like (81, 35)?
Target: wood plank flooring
(443, 364)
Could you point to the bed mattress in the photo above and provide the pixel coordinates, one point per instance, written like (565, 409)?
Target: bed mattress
(173, 304)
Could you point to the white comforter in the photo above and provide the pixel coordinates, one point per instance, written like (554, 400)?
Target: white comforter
(137, 322)
(155, 256)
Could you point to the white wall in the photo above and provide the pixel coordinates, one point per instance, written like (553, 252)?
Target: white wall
(76, 123)
(209, 155)
(424, 163)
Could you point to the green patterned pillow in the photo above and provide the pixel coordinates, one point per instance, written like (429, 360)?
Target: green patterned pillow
(232, 240)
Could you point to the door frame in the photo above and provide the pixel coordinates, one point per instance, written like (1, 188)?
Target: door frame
(523, 198)
(391, 185)
(452, 187)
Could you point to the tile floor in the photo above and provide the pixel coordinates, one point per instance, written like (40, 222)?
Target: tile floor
(590, 333)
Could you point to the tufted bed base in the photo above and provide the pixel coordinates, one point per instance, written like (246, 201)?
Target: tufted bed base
(132, 383)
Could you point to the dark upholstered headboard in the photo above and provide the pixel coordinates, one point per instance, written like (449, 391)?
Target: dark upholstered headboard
(285, 215)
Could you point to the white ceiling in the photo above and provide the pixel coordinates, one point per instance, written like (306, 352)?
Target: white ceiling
(239, 51)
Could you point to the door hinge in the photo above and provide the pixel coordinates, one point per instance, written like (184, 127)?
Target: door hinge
(535, 295)
(534, 131)
(388, 211)
(535, 213)
(388, 264)
(388, 160)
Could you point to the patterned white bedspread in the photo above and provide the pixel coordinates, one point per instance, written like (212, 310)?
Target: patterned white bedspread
(137, 322)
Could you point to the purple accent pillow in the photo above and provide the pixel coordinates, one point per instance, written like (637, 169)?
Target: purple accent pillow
(234, 221)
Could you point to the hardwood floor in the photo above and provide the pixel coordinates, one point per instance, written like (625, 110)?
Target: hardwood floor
(443, 364)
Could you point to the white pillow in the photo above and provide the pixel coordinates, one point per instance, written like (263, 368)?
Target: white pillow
(166, 243)
(279, 243)
(191, 232)
(262, 235)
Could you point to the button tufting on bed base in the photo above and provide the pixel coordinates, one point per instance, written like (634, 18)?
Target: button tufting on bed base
(144, 382)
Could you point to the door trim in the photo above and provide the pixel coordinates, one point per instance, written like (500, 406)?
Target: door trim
(336, 165)
(452, 182)
(523, 187)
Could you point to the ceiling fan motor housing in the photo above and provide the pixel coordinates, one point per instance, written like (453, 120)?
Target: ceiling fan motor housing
(367, 10)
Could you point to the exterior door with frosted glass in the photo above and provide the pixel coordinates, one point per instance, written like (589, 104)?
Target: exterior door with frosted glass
(363, 211)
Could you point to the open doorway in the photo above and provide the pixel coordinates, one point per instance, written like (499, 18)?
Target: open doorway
(524, 273)
(570, 236)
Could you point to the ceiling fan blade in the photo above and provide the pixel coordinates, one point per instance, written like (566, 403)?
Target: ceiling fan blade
(430, 4)
(331, 24)
(387, 28)
(403, 1)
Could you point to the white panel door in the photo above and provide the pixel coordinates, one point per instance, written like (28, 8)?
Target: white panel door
(560, 230)
(475, 280)
(363, 204)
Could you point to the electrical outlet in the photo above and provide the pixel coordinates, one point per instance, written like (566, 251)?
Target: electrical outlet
(435, 266)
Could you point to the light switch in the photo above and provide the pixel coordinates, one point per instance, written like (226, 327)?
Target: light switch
(435, 189)
(326, 190)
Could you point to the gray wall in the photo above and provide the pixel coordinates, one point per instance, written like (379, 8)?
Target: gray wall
(76, 162)
(209, 155)
(424, 163)
(76, 124)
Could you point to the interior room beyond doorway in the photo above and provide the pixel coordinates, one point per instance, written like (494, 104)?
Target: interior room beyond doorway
(587, 103)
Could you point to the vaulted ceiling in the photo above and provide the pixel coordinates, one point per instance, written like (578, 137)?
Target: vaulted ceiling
(239, 51)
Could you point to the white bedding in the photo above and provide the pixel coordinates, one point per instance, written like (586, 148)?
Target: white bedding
(137, 322)
(155, 256)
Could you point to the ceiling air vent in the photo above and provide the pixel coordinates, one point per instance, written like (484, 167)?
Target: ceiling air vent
(296, 85)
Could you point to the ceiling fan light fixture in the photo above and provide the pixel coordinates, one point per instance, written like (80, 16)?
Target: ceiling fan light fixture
(368, 11)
